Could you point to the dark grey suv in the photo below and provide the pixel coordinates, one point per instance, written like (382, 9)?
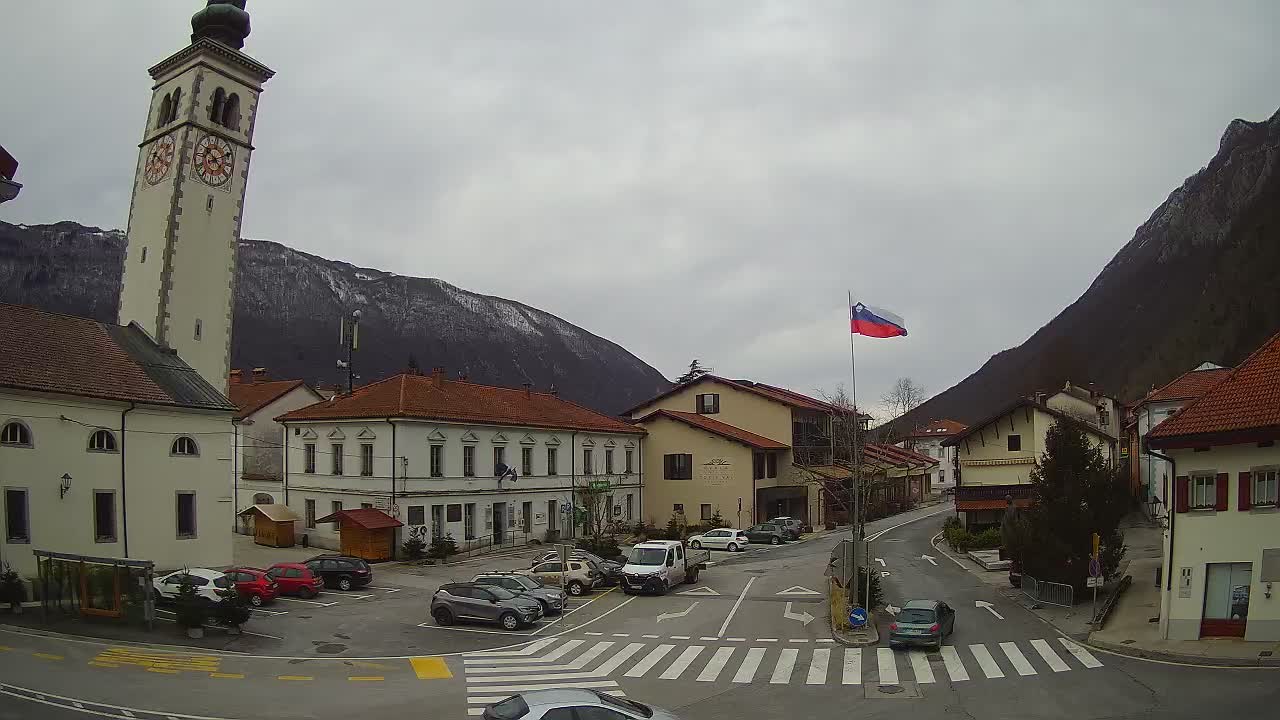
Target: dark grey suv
(552, 599)
(483, 603)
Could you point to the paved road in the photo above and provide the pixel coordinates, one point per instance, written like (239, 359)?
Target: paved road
(748, 640)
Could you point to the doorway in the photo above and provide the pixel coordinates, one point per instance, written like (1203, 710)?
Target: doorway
(499, 522)
(1226, 599)
(526, 517)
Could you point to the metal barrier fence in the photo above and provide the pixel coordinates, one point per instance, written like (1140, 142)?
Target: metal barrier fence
(1050, 593)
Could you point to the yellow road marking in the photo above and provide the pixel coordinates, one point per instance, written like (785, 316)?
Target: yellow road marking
(372, 665)
(47, 656)
(229, 676)
(102, 664)
(430, 668)
(367, 678)
(166, 671)
(294, 677)
(5, 648)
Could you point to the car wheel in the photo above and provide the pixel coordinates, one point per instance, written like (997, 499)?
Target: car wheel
(307, 593)
(509, 621)
(774, 540)
(443, 616)
(732, 547)
(344, 583)
(695, 544)
(255, 600)
(575, 588)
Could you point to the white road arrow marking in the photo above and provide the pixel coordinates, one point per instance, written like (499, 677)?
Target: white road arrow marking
(881, 561)
(798, 590)
(930, 558)
(892, 609)
(704, 590)
(668, 616)
(803, 617)
(987, 605)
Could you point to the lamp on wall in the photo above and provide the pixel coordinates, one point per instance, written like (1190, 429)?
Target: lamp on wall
(66, 485)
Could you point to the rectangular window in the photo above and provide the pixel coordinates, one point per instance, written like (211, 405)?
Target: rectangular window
(334, 507)
(336, 450)
(608, 461)
(586, 462)
(1015, 443)
(437, 460)
(366, 506)
(706, 511)
(17, 521)
(526, 461)
(630, 506)
(104, 516)
(453, 512)
(469, 521)
(771, 465)
(1204, 491)
(677, 466)
(708, 404)
(187, 515)
(417, 514)
(757, 466)
(309, 457)
(499, 458)
(627, 461)
(309, 514)
(552, 471)
(1265, 486)
(366, 459)
(468, 461)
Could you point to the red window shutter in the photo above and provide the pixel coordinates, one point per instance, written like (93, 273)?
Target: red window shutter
(1183, 501)
(1246, 489)
(1221, 487)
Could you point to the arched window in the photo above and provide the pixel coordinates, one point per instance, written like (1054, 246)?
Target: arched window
(102, 441)
(184, 446)
(166, 106)
(215, 109)
(263, 499)
(173, 110)
(231, 112)
(15, 433)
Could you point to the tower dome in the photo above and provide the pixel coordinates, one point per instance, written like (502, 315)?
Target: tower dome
(223, 20)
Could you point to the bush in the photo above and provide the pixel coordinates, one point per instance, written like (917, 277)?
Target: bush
(717, 521)
(192, 610)
(606, 548)
(442, 547)
(962, 540)
(234, 610)
(12, 591)
(674, 529)
(877, 595)
(413, 547)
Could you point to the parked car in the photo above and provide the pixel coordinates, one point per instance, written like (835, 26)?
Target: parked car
(207, 582)
(579, 579)
(922, 622)
(612, 570)
(341, 571)
(483, 603)
(791, 526)
(766, 533)
(730, 539)
(572, 703)
(295, 579)
(253, 584)
(553, 600)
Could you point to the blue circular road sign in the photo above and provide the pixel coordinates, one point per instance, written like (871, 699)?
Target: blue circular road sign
(858, 617)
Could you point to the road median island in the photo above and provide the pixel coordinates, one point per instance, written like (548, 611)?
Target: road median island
(838, 615)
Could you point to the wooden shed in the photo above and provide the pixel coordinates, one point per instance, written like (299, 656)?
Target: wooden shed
(272, 524)
(365, 533)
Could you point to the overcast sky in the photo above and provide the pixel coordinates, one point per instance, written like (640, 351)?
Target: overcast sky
(686, 179)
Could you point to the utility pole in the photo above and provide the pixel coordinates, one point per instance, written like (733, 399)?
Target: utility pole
(349, 336)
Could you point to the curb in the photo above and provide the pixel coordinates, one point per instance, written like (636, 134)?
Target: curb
(864, 638)
(1181, 659)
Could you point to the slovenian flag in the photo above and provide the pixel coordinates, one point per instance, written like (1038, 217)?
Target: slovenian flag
(875, 322)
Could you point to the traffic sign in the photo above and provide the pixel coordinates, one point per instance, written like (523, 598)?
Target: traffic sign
(1095, 568)
(858, 617)
(1093, 582)
(598, 485)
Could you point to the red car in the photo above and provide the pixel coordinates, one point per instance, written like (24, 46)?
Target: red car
(254, 584)
(295, 579)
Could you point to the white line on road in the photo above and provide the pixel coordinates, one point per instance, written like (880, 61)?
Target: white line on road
(735, 639)
(818, 667)
(597, 634)
(716, 664)
(308, 602)
(986, 662)
(708, 637)
(747, 670)
(651, 637)
(508, 690)
(920, 667)
(384, 589)
(649, 661)
(886, 666)
(545, 677)
(955, 668)
(766, 639)
(782, 670)
(358, 597)
(934, 542)
(1016, 657)
(1049, 656)
(682, 663)
(616, 661)
(622, 634)
(852, 666)
(524, 658)
(875, 536)
(679, 637)
(1084, 656)
(528, 649)
(736, 605)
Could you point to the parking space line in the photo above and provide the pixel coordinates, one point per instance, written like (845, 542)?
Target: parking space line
(358, 597)
(308, 602)
(383, 589)
(48, 656)
(294, 677)
(365, 678)
(227, 676)
(271, 612)
(165, 671)
(95, 663)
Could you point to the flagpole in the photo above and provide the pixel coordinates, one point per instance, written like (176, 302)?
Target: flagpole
(853, 451)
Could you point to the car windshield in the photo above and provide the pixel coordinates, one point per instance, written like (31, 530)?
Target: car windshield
(915, 616)
(501, 592)
(647, 556)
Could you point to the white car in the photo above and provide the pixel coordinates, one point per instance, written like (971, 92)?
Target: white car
(731, 539)
(207, 583)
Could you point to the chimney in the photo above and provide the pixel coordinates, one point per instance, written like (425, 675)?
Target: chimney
(236, 376)
(555, 392)
(437, 377)
(259, 374)
(528, 389)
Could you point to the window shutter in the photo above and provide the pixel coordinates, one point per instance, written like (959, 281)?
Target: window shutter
(1246, 487)
(1183, 491)
(1220, 485)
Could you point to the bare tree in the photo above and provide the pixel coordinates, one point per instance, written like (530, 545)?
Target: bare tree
(904, 396)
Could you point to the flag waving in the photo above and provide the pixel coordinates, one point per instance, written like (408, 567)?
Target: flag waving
(875, 322)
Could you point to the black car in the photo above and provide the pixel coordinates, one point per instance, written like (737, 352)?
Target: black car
(341, 571)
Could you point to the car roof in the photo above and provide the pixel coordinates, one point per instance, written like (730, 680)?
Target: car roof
(203, 572)
(921, 604)
(560, 696)
(290, 565)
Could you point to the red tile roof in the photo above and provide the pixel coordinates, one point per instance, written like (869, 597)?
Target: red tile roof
(787, 397)
(1245, 403)
(367, 518)
(725, 430)
(429, 397)
(1188, 386)
(939, 428)
(51, 352)
(252, 397)
(895, 455)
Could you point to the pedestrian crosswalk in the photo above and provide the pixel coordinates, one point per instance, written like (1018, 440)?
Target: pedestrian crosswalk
(555, 662)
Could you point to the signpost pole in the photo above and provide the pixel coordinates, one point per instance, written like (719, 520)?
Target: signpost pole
(1095, 574)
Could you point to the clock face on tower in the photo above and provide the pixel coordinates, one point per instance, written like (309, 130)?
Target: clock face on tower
(159, 159)
(214, 160)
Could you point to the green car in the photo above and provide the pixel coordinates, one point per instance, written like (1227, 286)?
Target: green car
(922, 623)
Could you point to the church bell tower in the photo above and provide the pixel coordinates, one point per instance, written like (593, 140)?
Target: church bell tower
(188, 192)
